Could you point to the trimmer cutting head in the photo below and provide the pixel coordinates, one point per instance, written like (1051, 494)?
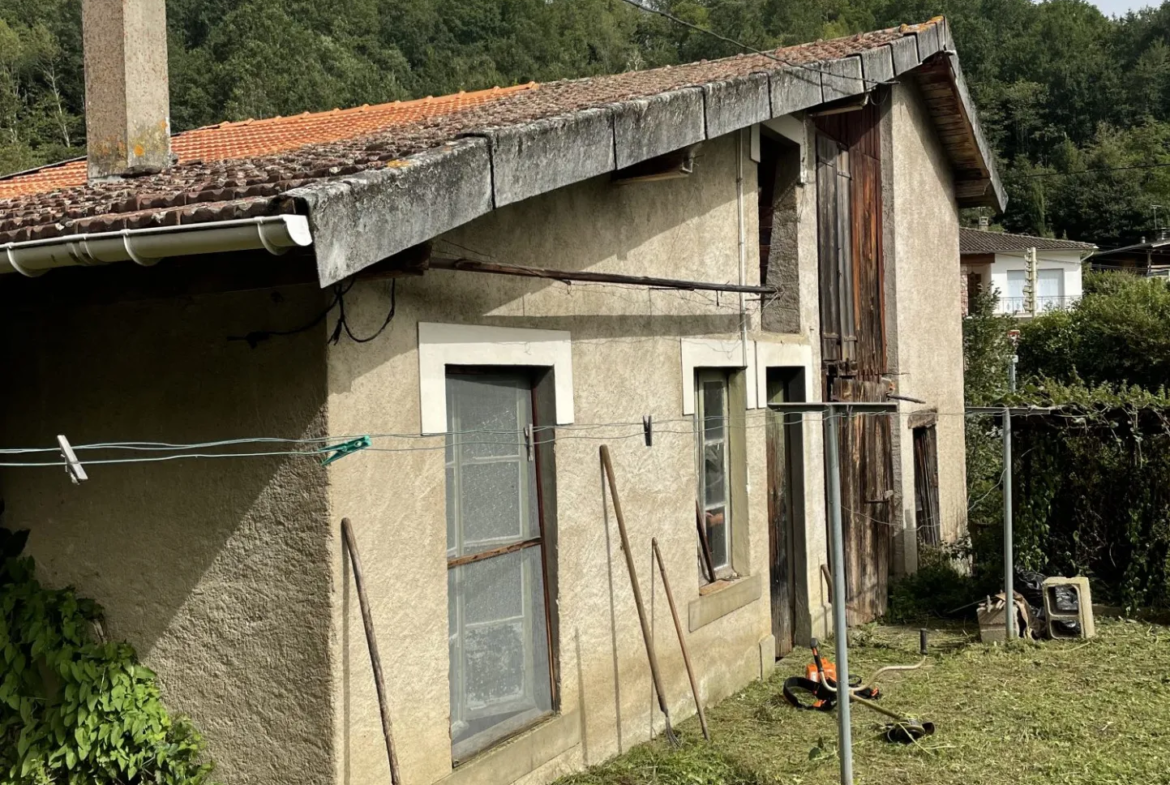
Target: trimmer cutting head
(908, 731)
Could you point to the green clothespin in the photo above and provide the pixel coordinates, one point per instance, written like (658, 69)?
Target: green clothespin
(347, 448)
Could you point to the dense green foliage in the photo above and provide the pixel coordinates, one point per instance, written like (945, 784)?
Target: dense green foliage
(74, 710)
(1118, 334)
(1061, 88)
(1092, 484)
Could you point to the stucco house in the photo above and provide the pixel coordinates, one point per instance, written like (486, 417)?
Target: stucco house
(426, 317)
(1016, 266)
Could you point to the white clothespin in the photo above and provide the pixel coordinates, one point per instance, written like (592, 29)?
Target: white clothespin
(73, 466)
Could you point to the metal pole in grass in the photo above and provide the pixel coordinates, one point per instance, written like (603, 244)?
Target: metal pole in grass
(840, 630)
(1008, 572)
(831, 413)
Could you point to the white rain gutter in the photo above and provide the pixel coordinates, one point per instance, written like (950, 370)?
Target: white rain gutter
(275, 234)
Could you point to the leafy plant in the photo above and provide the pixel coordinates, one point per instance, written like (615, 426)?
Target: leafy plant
(74, 709)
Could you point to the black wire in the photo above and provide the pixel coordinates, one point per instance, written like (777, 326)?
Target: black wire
(745, 47)
(1096, 171)
(257, 337)
(342, 322)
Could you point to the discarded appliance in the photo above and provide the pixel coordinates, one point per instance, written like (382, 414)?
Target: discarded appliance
(1068, 605)
(820, 680)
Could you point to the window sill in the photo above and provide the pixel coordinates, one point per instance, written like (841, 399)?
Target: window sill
(721, 598)
(521, 754)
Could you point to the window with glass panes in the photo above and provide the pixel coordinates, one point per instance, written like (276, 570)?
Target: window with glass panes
(498, 615)
(712, 413)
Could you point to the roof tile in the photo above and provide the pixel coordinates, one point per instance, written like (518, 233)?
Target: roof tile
(254, 162)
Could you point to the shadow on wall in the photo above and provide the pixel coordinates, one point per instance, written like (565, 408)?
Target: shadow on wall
(217, 571)
(665, 229)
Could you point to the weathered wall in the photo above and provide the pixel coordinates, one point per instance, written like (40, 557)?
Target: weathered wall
(215, 570)
(923, 315)
(626, 364)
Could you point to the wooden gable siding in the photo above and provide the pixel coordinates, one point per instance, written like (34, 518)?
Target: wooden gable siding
(852, 278)
(853, 322)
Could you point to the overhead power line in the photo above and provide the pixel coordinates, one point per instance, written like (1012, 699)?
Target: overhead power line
(707, 31)
(1097, 171)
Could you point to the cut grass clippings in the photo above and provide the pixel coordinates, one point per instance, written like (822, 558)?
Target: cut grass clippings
(1054, 712)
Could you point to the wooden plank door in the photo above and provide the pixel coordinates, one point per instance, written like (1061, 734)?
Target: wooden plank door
(784, 440)
(866, 503)
(926, 486)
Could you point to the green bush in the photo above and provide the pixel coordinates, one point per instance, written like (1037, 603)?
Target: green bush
(940, 589)
(75, 710)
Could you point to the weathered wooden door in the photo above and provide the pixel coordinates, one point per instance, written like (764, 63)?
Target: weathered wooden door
(926, 485)
(849, 212)
(784, 440)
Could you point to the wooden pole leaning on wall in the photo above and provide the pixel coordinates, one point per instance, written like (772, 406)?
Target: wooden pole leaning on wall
(372, 643)
(607, 465)
(682, 641)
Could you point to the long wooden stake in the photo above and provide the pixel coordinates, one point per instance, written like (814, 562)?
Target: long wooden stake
(682, 643)
(607, 464)
(372, 643)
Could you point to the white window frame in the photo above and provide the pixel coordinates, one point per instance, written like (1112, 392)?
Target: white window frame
(440, 345)
(724, 570)
(706, 353)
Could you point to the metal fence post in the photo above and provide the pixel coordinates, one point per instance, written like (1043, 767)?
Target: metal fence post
(840, 630)
(1008, 571)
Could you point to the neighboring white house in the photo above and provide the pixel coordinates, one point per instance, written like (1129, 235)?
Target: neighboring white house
(1000, 262)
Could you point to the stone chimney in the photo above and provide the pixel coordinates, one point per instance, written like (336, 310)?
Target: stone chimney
(127, 98)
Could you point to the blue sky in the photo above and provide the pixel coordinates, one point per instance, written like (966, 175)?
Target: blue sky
(1114, 7)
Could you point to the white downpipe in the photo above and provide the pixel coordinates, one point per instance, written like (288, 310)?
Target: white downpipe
(275, 234)
(743, 330)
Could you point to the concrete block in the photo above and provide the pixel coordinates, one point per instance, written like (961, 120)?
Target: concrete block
(737, 103)
(795, 88)
(842, 78)
(360, 220)
(649, 127)
(928, 42)
(725, 600)
(542, 156)
(767, 657)
(877, 65)
(1084, 613)
(905, 52)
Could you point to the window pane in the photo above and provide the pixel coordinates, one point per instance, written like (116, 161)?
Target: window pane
(717, 535)
(714, 471)
(499, 658)
(1015, 282)
(484, 414)
(713, 411)
(714, 474)
(491, 503)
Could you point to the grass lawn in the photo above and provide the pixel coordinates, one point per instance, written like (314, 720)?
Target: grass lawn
(1079, 712)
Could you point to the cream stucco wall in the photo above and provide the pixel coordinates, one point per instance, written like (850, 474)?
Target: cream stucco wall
(215, 570)
(228, 575)
(924, 322)
(627, 363)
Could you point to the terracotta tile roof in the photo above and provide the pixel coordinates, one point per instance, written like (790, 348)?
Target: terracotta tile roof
(267, 158)
(978, 241)
(250, 138)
